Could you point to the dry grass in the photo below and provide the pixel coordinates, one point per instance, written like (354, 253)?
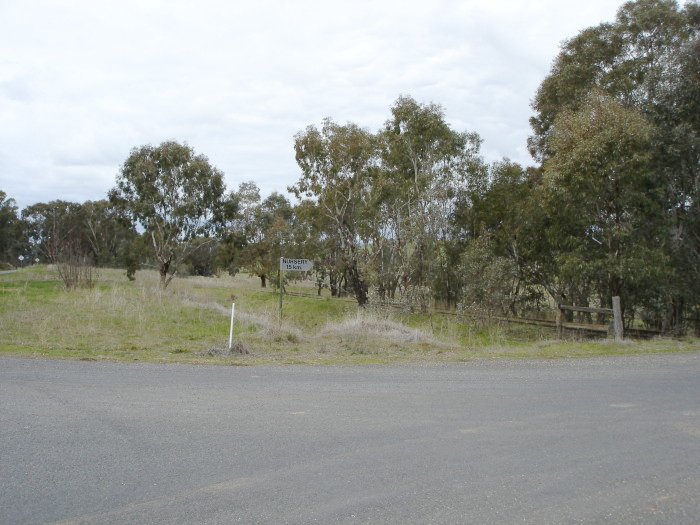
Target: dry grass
(364, 324)
(266, 323)
(137, 320)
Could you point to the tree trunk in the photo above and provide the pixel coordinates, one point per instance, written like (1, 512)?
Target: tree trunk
(679, 312)
(263, 281)
(163, 270)
(673, 321)
(333, 283)
(359, 287)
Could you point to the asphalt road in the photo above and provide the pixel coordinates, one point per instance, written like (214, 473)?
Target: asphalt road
(613, 440)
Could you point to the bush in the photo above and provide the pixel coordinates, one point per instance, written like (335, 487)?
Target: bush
(490, 281)
(76, 271)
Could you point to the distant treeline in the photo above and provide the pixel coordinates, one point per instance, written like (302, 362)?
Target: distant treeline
(412, 213)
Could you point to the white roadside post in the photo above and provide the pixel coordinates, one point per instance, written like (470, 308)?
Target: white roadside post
(230, 332)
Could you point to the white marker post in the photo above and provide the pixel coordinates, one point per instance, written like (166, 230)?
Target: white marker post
(230, 332)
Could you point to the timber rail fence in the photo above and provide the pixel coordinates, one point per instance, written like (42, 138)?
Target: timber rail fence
(616, 327)
(559, 325)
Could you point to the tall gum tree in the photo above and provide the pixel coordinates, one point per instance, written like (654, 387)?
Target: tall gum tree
(176, 196)
(600, 190)
(266, 232)
(427, 168)
(12, 235)
(337, 163)
(648, 59)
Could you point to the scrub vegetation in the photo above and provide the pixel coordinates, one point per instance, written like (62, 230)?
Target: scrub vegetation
(188, 322)
(409, 216)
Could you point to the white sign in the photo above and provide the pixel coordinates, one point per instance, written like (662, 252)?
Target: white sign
(295, 265)
(21, 257)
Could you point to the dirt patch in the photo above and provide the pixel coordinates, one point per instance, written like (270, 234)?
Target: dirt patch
(222, 351)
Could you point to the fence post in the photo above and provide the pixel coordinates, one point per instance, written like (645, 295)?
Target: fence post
(617, 319)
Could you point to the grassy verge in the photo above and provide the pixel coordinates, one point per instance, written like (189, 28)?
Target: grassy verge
(188, 323)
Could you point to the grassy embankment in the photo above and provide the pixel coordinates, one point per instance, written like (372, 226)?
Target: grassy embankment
(136, 321)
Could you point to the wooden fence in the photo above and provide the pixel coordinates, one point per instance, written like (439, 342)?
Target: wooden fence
(616, 312)
(561, 326)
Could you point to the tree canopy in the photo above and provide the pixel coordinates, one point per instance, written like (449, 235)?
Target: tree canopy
(175, 196)
(11, 230)
(620, 109)
(412, 213)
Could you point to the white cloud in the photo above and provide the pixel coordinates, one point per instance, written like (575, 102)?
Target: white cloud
(81, 83)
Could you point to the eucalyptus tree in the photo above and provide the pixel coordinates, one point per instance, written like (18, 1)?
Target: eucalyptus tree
(176, 196)
(605, 201)
(427, 167)
(266, 228)
(647, 60)
(338, 163)
(55, 228)
(108, 232)
(238, 227)
(637, 60)
(312, 239)
(94, 231)
(58, 232)
(12, 234)
(506, 211)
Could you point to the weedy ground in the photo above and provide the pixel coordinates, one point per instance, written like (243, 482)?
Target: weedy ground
(189, 323)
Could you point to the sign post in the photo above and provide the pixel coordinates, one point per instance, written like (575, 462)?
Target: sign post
(291, 265)
(279, 285)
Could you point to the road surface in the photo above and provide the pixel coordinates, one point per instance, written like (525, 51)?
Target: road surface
(610, 440)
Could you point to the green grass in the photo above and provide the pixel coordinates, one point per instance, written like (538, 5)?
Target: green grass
(122, 320)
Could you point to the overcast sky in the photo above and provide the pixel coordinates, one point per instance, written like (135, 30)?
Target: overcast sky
(83, 82)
